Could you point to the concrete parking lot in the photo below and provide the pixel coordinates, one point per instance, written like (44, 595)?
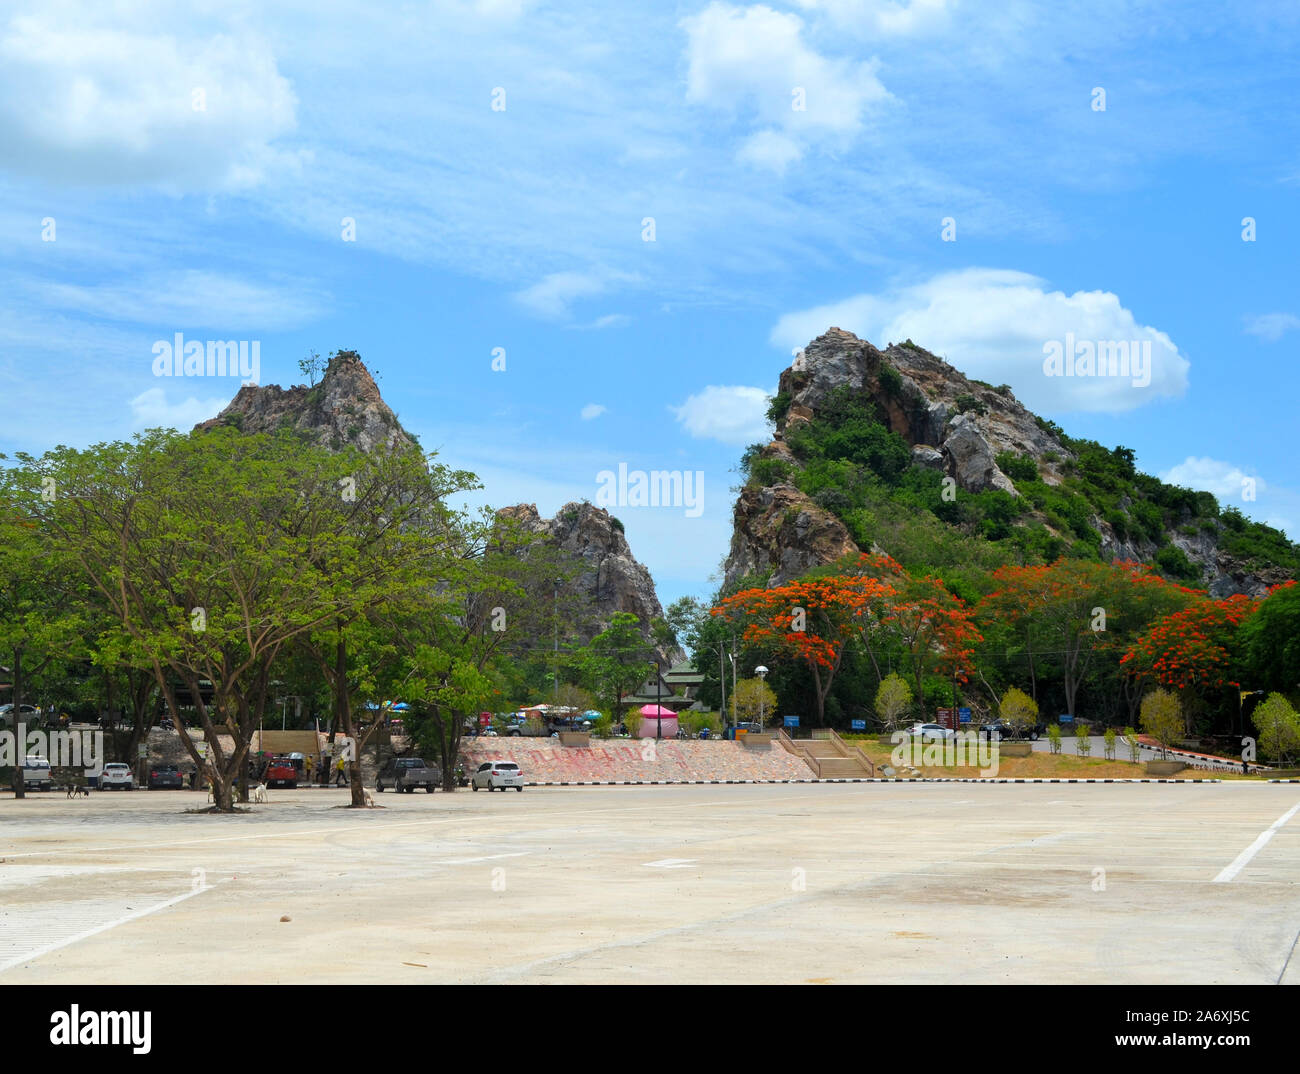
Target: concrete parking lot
(1153, 883)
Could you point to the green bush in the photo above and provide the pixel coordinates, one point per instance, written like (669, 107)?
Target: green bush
(1017, 467)
(779, 407)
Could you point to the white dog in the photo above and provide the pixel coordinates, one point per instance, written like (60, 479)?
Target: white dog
(259, 794)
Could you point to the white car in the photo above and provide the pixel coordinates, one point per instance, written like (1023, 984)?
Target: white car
(494, 774)
(931, 732)
(117, 776)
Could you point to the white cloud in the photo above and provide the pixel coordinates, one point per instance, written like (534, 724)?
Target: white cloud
(552, 296)
(770, 149)
(85, 103)
(1270, 327)
(756, 58)
(883, 17)
(1223, 479)
(993, 324)
(191, 298)
(151, 408)
(592, 410)
(733, 415)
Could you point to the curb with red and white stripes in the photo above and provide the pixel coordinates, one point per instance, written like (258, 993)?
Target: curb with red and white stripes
(864, 779)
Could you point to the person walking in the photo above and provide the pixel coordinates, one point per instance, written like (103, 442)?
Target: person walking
(339, 773)
(307, 765)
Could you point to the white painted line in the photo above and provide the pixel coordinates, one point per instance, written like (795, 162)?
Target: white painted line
(486, 857)
(68, 941)
(670, 863)
(1243, 859)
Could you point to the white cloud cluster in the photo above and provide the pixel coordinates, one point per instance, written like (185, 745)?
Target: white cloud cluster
(86, 103)
(592, 410)
(733, 415)
(756, 57)
(151, 409)
(994, 325)
(1224, 479)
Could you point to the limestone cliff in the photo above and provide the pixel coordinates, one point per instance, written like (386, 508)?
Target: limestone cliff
(344, 408)
(610, 579)
(953, 424)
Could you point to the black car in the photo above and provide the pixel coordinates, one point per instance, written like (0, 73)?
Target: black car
(165, 777)
(999, 730)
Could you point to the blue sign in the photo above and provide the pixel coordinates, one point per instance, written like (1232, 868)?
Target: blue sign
(1067, 719)
(791, 721)
(858, 725)
(963, 715)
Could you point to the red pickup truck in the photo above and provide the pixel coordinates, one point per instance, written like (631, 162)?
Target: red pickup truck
(280, 772)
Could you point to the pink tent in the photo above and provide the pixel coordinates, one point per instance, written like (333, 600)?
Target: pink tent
(655, 716)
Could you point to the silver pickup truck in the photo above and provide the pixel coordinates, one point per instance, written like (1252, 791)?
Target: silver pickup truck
(407, 773)
(37, 774)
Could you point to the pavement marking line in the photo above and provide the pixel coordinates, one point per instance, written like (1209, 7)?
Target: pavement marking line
(68, 941)
(486, 857)
(1243, 859)
(1289, 953)
(669, 863)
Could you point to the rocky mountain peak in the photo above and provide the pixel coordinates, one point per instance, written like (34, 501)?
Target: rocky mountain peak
(956, 425)
(344, 408)
(611, 577)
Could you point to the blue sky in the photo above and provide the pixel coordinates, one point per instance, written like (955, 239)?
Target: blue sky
(193, 166)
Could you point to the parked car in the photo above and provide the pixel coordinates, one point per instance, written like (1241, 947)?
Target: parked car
(28, 714)
(494, 774)
(37, 774)
(999, 729)
(280, 772)
(407, 773)
(165, 776)
(117, 777)
(932, 732)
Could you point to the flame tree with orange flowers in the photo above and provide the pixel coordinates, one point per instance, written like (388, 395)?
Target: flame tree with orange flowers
(1192, 651)
(1071, 610)
(812, 620)
(875, 603)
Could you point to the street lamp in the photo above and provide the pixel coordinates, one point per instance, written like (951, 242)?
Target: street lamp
(761, 672)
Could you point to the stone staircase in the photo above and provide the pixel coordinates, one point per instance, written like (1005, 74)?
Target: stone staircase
(829, 756)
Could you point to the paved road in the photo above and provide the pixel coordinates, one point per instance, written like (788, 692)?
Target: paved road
(796, 883)
(1069, 747)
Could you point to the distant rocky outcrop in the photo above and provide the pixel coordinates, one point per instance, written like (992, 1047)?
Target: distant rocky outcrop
(611, 579)
(344, 408)
(953, 424)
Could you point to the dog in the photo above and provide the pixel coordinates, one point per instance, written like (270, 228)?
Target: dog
(77, 790)
(370, 802)
(258, 793)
